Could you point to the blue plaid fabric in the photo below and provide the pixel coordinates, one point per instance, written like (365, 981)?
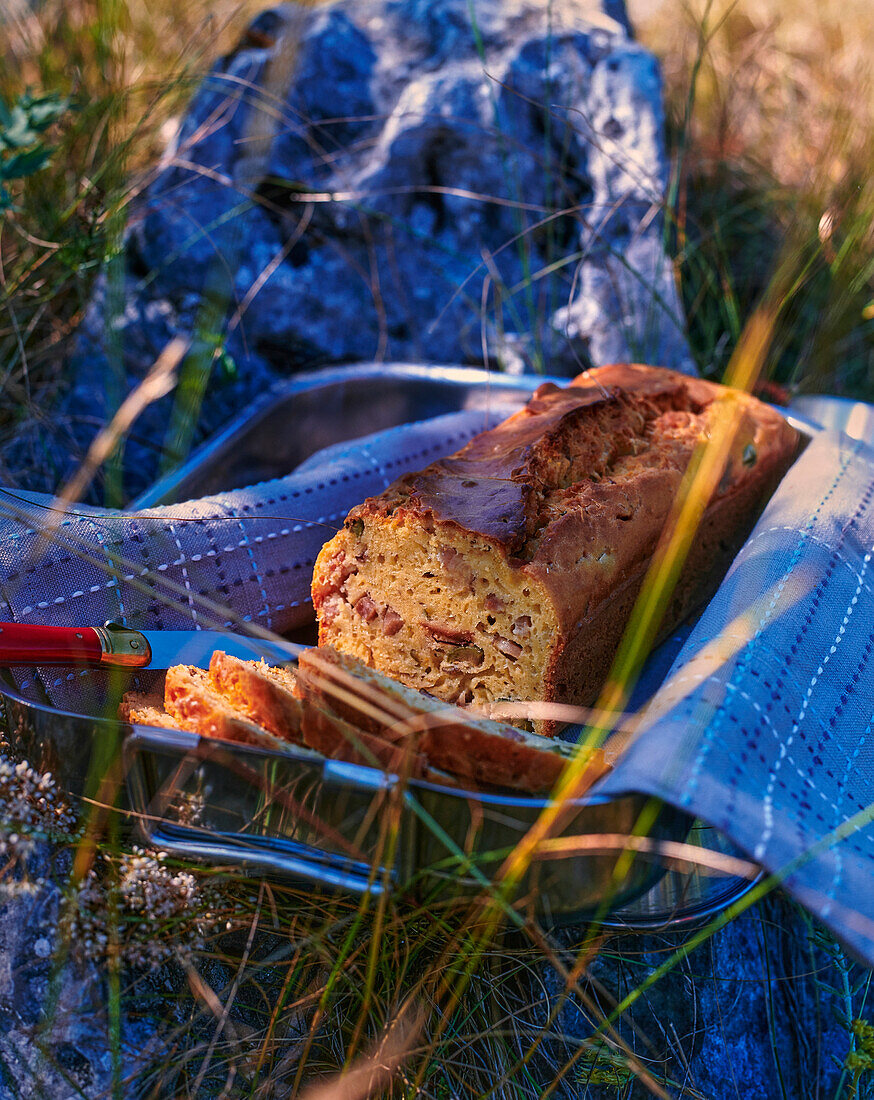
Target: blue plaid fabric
(765, 724)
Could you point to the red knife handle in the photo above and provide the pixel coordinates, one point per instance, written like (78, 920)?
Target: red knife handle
(29, 644)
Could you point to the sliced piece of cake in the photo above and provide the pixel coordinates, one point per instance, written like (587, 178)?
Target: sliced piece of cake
(197, 707)
(269, 696)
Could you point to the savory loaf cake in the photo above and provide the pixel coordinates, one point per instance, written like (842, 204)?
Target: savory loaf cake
(508, 571)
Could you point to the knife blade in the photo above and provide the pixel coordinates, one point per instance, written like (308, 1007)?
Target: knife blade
(114, 645)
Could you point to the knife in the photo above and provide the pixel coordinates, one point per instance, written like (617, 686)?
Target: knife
(114, 645)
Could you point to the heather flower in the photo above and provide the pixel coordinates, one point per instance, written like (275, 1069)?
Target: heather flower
(31, 807)
(31, 801)
(162, 913)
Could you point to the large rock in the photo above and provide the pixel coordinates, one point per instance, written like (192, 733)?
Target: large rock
(395, 179)
(754, 1011)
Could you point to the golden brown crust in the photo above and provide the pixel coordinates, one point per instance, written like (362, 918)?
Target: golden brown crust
(504, 483)
(557, 511)
(392, 727)
(358, 694)
(490, 758)
(493, 486)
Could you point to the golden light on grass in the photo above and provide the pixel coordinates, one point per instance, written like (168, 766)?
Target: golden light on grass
(671, 854)
(371, 1074)
(785, 83)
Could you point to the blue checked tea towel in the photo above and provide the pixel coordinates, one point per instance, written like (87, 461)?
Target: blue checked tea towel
(764, 727)
(765, 724)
